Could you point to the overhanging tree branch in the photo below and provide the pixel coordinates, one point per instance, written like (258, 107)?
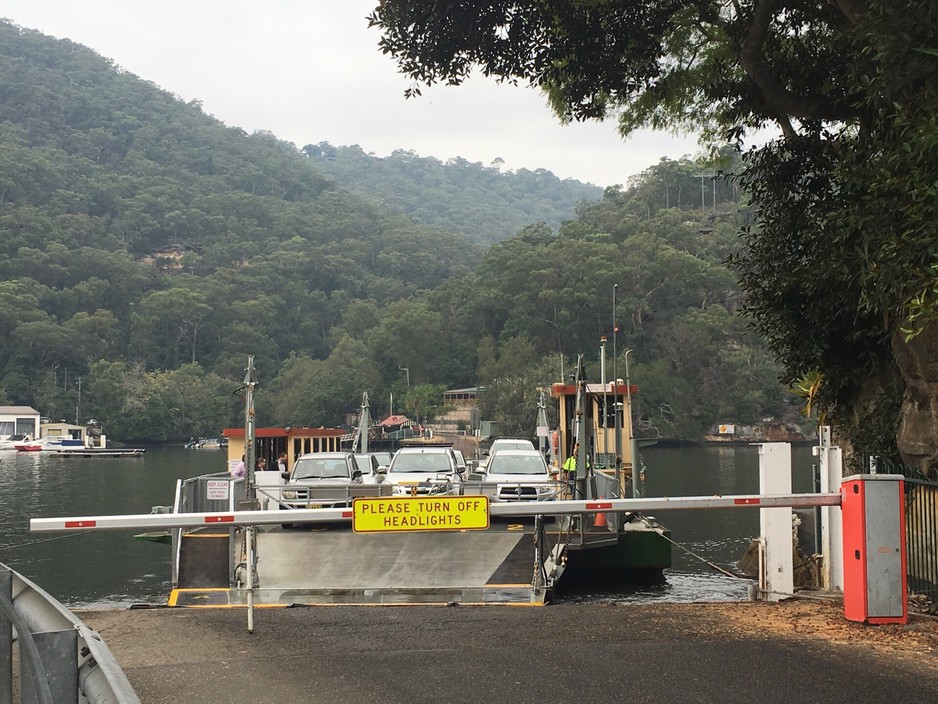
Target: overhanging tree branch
(777, 97)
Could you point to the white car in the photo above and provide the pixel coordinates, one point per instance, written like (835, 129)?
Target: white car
(521, 475)
(505, 444)
(424, 471)
(368, 463)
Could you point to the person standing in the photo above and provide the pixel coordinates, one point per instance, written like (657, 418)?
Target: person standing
(569, 469)
(261, 464)
(239, 469)
(282, 462)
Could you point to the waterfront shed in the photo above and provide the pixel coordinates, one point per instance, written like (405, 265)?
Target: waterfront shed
(19, 420)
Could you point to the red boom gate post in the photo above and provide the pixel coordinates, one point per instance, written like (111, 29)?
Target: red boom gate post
(873, 508)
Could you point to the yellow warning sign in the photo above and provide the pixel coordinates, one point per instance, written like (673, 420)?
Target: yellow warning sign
(380, 515)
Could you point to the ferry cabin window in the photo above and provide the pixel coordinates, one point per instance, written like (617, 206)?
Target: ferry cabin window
(606, 419)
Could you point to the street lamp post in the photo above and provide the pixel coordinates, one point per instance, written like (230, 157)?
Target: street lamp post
(407, 372)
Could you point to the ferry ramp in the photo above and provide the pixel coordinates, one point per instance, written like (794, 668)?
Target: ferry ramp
(333, 565)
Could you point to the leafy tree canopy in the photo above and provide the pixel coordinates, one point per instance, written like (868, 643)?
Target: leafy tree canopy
(840, 264)
(148, 250)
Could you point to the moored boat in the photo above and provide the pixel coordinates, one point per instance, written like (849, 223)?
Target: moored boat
(48, 445)
(10, 442)
(28, 446)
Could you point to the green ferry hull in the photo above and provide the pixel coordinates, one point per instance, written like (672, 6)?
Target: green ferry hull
(635, 551)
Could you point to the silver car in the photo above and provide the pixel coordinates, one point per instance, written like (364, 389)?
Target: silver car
(521, 475)
(320, 480)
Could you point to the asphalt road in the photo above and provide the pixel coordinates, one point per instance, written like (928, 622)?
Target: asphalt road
(583, 654)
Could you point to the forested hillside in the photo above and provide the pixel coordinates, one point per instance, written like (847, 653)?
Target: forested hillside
(146, 250)
(485, 203)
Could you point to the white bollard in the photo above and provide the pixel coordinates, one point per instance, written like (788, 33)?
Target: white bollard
(830, 464)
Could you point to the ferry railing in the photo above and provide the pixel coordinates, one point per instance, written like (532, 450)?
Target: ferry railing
(206, 493)
(598, 528)
(287, 495)
(62, 661)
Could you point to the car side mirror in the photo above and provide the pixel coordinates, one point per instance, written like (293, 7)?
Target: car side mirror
(460, 469)
(382, 470)
(285, 475)
(357, 474)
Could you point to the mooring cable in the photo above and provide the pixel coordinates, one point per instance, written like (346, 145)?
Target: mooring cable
(691, 552)
(45, 540)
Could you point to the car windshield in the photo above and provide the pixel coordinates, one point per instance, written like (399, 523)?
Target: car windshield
(517, 464)
(512, 445)
(420, 462)
(320, 468)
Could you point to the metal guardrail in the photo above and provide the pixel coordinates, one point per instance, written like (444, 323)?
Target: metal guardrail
(921, 528)
(62, 661)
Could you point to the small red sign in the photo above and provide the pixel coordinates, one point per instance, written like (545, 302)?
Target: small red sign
(80, 524)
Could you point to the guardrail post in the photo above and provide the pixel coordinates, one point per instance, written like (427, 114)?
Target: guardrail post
(58, 651)
(6, 639)
(775, 523)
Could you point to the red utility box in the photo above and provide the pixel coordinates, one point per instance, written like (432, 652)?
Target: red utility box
(874, 548)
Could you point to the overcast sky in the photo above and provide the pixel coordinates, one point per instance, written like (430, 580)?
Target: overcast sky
(310, 71)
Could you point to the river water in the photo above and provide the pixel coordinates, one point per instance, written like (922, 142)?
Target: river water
(110, 568)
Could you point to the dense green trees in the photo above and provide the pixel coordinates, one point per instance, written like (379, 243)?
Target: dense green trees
(839, 268)
(484, 203)
(149, 250)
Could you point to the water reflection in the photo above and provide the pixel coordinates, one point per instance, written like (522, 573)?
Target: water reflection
(674, 587)
(93, 568)
(718, 536)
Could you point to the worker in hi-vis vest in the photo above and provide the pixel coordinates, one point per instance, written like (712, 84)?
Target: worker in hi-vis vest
(570, 467)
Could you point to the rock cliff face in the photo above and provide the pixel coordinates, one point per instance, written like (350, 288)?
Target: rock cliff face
(773, 431)
(917, 436)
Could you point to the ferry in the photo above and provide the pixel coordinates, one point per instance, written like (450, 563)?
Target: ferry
(519, 555)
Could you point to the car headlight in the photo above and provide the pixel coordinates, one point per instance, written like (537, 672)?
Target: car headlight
(289, 494)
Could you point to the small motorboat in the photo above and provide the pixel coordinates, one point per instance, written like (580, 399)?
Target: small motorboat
(10, 442)
(28, 447)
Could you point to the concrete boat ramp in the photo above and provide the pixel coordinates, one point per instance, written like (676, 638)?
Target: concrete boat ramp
(333, 565)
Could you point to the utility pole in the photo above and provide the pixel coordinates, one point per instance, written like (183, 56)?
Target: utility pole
(78, 407)
(713, 179)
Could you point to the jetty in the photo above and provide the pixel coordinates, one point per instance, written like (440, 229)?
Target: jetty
(101, 452)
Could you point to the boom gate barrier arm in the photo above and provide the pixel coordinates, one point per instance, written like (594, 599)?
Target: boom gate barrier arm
(336, 515)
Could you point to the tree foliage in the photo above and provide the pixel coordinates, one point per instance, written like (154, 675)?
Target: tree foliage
(839, 266)
(148, 249)
(485, 203)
